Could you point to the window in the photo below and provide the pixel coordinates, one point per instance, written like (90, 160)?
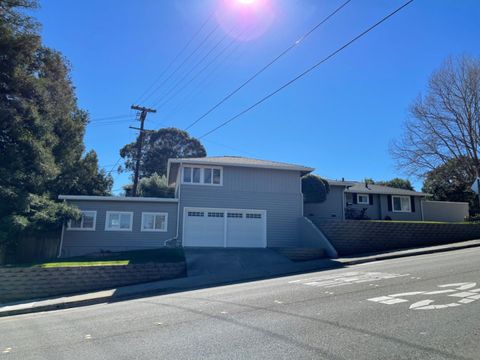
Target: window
(254, 216)
(154, 221)
(235, 215)
(215, 214)
(187, 174)
(401, 204)
(202, 175)
(119, 221)
(86, 222)
(195, 213)
(363, 199)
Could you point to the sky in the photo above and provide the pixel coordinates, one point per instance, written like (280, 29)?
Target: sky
(339, 119)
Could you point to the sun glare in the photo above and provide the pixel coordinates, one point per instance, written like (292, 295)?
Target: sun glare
(246, 2)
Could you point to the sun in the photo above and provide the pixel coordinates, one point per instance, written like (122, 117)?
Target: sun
(246, 2)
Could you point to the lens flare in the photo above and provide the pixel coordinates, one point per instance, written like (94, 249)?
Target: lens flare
(245, 20)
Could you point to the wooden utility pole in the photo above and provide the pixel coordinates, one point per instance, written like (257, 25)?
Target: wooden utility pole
(143, 115)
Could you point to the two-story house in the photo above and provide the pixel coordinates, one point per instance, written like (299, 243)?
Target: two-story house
(221, 201)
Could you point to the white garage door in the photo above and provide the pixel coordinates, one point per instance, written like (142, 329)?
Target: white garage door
(224, 227)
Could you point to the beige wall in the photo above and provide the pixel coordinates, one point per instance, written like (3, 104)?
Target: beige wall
(444, 211)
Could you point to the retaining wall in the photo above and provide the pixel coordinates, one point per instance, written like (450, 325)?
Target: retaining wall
(356, 236)
(18, 283)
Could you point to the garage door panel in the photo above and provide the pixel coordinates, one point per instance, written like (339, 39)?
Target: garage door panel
(224, 227)
(203, 228)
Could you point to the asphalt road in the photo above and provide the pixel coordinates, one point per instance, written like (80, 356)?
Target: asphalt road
(322, 315)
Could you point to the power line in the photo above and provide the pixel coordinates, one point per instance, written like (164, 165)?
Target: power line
(307, 71)
(100, 119)
(179, 54)
(283, 53)
(197, 64)
(205, 39)
(206, 79)
(222, 51)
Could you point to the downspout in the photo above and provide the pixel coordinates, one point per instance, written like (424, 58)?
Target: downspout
(344, 203)
(421, 207)
(61, 239)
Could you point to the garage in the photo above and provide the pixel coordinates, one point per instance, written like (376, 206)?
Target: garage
(212, 227)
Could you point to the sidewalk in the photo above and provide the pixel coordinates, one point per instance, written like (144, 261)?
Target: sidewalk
(213, 279)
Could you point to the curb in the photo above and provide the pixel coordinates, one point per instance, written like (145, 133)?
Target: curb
(407, 254)
(102, 299)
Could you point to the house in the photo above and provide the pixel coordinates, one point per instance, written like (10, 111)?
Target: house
(220, 201)
(378, 202)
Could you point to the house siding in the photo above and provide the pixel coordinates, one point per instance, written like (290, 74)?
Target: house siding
(77, 242)
(276, 191)
(331, 208)
(401, 216)
(373, 210)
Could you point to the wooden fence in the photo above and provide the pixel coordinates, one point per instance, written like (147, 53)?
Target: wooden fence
(37, 248)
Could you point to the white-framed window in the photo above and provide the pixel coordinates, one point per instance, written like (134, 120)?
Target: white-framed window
(202, 175)
(119, 221)
(363, 199)
(401, 204)
(154, 221)
(87, 221)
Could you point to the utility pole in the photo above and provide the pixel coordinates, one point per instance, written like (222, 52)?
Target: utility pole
(143, 115)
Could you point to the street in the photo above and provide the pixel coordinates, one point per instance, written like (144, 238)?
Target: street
(421, 307)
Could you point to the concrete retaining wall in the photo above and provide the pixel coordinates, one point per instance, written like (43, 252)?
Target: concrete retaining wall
(356, 237)
(35, 282)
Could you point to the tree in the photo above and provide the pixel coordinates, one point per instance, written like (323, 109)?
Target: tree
(451, 182)
(153, 186)
(158, 147)
(397, 183)
(41, 130)
(314, 189)
(445, 123)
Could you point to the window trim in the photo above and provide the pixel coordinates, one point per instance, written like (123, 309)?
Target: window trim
(409, 203)
(202, 174)
(69, 227)
(363, 203)
(118, 212)
(154, 214)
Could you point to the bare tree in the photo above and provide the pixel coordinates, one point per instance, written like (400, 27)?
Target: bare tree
(445, 123)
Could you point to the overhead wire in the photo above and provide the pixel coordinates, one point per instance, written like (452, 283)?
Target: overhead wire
(308, 70)
(278, 57)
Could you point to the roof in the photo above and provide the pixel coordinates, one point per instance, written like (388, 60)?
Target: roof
(116, 198)
(362, 188)
(244, 162)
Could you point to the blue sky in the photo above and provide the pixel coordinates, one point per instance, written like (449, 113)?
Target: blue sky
(339, 119)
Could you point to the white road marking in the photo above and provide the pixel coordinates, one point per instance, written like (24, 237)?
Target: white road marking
(278, 302)
(88, 337)
(7, 350)
(348, 278)
(223, 312)
(427, 304)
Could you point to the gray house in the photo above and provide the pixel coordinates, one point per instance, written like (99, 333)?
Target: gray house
(379, 202)
(219, 202)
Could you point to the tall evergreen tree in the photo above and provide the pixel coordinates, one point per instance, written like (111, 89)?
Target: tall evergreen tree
(41, 129)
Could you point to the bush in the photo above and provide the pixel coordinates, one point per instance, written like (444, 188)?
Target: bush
(314, 189)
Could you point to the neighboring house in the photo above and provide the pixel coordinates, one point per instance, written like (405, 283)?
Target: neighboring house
(383, 203)
(380, 202)
(219, 202)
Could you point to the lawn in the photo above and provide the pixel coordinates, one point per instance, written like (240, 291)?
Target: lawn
(116, 258)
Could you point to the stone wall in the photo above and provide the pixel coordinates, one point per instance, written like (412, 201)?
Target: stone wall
(17, 283)
(356, 236)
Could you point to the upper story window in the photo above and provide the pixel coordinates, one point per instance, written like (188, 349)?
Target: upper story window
(401, 204)
(119, 221)
(202, 175)
(363, 199)
(86, 222)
